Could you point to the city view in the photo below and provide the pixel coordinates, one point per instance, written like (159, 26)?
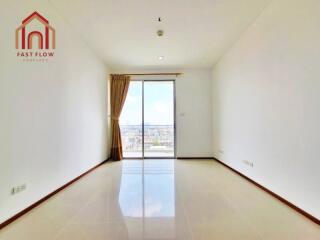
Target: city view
(158, 140)
(149, 104)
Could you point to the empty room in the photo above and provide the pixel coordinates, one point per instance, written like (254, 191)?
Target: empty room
(159, 119)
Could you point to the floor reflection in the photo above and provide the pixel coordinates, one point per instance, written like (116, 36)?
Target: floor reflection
(147, 197)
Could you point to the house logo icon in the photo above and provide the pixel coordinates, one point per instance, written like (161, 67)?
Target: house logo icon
(35, 32)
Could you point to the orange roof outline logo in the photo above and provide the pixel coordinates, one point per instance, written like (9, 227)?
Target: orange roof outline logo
(43, 37)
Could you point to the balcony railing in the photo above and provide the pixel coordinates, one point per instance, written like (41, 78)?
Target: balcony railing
(158, 140)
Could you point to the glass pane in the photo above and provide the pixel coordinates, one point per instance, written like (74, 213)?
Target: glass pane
(131, 121)
(158, 119)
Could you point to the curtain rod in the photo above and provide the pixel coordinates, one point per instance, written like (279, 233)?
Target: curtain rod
(151, 74)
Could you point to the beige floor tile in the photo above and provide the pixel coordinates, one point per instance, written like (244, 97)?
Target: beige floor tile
(162, 199)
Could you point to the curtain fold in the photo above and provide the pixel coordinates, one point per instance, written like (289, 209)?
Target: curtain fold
(118, 89)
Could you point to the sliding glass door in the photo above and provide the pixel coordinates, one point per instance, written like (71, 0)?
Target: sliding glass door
(148, 120)
(158, 119)
(131, 122)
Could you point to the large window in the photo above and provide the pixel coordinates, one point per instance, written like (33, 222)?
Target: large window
(148, 120)
(131, 122)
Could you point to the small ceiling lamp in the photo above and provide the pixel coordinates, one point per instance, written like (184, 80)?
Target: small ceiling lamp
(160, 33)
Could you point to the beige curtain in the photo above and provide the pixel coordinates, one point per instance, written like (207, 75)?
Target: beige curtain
(119, 88)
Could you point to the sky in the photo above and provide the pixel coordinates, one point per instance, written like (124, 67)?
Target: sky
(158, 104)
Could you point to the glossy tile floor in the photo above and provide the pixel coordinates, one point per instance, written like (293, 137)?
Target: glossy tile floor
(162, 199)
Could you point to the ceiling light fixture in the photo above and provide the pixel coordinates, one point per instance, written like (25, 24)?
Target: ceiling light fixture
(160, 57)
(160, 33)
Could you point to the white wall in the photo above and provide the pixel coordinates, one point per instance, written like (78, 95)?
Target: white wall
(266, 101)
(194, 116)
(53, 115)
(193, 109)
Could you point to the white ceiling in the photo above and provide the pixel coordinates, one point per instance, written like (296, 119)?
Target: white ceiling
(196, 32)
